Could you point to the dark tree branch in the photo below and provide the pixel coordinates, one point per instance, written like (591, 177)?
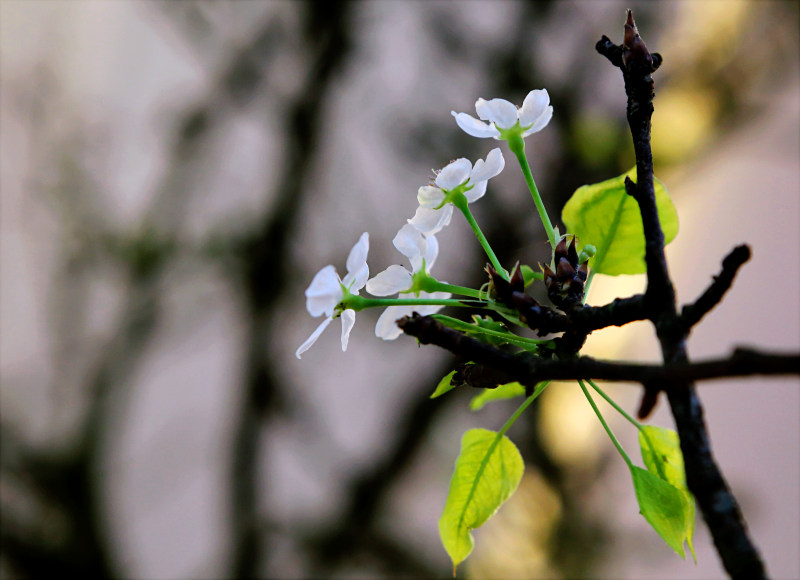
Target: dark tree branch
(691, 314)
(717, 504)
(530, 370)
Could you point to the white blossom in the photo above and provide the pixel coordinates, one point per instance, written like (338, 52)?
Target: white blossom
(432, 216)
(327, 290)
(420, 250)
(533, 116)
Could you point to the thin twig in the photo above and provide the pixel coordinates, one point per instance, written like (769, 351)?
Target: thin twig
(691, 314)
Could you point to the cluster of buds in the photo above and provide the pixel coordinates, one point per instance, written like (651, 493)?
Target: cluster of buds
(565, 286)
(511, 292)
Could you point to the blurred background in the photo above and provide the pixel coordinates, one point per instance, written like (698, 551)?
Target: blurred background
(173, 175)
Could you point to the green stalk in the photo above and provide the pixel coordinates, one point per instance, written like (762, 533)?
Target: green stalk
(586, 287)
(538, 391)
(517, 145)
(359, 303)
(613, 403)
(460, 201)
(433, 285)
(605, 425)
(473, 329)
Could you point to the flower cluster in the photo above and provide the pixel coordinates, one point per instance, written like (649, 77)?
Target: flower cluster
(458, 184)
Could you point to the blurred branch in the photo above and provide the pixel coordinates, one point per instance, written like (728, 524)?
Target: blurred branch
(263, 265)
(368, 490)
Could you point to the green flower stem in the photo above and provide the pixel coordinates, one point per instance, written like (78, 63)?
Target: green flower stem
(538, 391)
(358, 303)
(517, 145)
(630, 419)
(433, 285)
(586, 290)
(471, 328)
(462, 204)
(605, 425)
(611, 402)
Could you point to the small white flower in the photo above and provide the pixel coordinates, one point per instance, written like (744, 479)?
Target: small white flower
(327, 290)
(533, 116)
(419, 249)
(387, 328)
(431, 216)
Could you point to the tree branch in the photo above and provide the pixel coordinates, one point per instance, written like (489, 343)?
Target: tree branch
(717, 504)
(530, 370)
(691, 314)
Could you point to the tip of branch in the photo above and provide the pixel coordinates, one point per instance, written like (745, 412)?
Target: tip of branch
(631, 32)
(634, 51)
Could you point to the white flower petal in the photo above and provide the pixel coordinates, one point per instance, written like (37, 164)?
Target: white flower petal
(482, 108)
(431, 252)
(386, 327)
(313, 338)
(348, 320)
(454, 174)
(533, 106)
(358, 255)
(476, 192)
(357, 269)
(483, 170)
(410, 242)
(541, 122)
(499, 111)
(471, 126)
(430, 196)
(392, 280)
(430, 221)
(324, 292)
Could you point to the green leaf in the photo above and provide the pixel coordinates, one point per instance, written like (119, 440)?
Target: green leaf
(664, 506)
(444, 385)
(488, 471)
(507, 391)
(661, 453)
(604, 215)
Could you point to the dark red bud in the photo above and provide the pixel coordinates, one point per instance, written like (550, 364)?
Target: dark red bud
(565, 271)
(572, 253)
(633, 47)
(517, 280)
(561, 250)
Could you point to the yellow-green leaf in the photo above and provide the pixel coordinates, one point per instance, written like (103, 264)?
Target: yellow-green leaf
(488, 470)
(444, 385)
(663, 505)
(661, 453)
(604, 215)
(507, 391)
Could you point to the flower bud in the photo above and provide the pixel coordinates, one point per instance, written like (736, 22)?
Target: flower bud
(565, 285)
(587, 253)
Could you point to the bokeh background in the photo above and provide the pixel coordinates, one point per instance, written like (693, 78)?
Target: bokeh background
(174, 173)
